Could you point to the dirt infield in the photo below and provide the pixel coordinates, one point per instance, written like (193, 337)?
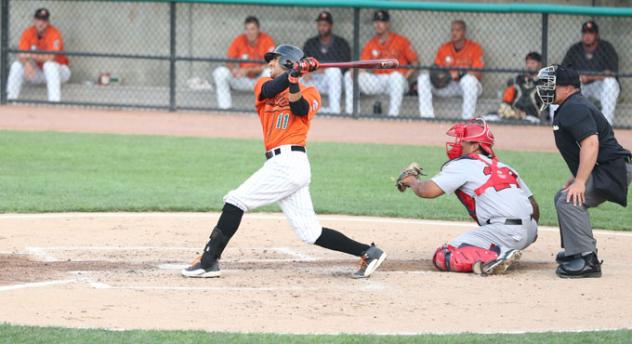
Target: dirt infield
(247, 126)
(121, 271)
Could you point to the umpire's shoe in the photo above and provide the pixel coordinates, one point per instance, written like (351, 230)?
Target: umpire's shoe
(369, 262)
(584, 266)
(196, 270)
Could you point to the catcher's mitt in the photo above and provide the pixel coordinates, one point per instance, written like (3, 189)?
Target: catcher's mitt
(439, 78)
(412, 170)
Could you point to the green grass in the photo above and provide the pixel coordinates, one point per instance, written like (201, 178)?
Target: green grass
(53, 172)
(25, 334)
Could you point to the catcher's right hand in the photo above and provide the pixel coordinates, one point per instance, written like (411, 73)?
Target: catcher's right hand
(413, 170)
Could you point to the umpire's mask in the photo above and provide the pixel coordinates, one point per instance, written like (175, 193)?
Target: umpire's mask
(545, 86)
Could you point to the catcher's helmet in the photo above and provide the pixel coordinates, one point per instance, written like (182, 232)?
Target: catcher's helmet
(475, 130)
(289, 55)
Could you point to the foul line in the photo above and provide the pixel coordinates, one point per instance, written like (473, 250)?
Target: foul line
(36, 284)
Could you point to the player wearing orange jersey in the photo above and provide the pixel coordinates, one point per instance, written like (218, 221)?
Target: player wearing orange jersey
(459, 52)
(385, 44)
(253, 44)
(286, 108)
(49, 69)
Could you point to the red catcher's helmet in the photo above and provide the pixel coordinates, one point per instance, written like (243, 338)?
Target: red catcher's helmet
(475, 130)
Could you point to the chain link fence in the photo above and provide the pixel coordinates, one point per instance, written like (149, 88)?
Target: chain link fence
(175, 55)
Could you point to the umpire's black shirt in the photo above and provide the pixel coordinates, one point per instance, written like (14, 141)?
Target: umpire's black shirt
(576, 119)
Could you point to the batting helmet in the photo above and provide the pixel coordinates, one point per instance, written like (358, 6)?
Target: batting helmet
(475, 130)
(289, 55)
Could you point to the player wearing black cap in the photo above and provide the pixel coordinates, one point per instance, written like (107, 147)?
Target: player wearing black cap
(327, 47)
(600, 168)
(48, 67)
(519, 97)
(597, 62)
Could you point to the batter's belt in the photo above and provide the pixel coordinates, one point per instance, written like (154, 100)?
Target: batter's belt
(274, 152)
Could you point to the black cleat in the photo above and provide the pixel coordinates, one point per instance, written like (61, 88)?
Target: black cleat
(584, 266)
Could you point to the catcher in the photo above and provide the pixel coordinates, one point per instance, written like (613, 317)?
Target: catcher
(493, 194)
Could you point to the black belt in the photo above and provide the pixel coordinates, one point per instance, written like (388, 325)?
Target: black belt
(507, 222)
(277, 151)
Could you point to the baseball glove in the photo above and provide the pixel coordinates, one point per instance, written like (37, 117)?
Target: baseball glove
(439, 78)
(413, 170)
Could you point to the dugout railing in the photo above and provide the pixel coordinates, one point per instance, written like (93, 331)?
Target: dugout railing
(161, 54)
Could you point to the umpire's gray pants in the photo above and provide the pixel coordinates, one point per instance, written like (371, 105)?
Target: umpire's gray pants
(575, 228)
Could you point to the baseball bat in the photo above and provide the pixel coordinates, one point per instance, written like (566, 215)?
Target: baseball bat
(366, 64)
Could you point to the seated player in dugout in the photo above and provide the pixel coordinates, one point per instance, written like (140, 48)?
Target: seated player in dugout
(49, 69)
(394, 82)
(286, 108)
(520, 100)
(253, 44)
(327, 47)
(597, 62)
(459, 52)
(494, 195)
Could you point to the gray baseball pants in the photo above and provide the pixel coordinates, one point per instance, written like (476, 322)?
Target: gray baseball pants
(575, 228)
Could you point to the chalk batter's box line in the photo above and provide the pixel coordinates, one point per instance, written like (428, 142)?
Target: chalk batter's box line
(337, 218)
(43, 253)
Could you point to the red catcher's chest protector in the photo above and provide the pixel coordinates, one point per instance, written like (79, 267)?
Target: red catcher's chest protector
(499, 179)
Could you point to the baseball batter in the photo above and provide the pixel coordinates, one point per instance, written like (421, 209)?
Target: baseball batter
(494, 195)
(286, 108)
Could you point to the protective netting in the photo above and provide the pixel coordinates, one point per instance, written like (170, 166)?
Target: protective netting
(176, 55)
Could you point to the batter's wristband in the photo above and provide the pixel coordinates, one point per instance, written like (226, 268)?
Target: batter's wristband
(292, 79)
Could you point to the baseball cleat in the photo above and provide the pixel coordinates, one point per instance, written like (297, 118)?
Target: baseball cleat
(369, 262)
(498, 266)
(196, 270)
(584, 266)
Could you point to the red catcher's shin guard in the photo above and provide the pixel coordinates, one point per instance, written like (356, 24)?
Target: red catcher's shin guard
(450, 258)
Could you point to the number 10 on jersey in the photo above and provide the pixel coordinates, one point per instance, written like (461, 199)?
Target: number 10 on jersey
(282, 120)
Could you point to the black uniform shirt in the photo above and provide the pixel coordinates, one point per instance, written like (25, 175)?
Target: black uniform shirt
(337, 51)
(604, 57)
(576, 119)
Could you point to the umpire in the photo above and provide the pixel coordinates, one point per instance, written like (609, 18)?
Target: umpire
(600, 168)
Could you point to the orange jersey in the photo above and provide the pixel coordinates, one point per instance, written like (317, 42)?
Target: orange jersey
(240, 48)
(395, 47)
(50, 40)
(280, 126)
(470, 56)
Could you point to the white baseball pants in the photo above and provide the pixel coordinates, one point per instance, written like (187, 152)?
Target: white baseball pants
(607, 91)
(394, 84)
(284, 179)
(468, 87)
(52, 74)
(330, 83)
(224, 81)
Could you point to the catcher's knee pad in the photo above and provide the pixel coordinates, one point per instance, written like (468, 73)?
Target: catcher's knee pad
(461, 259)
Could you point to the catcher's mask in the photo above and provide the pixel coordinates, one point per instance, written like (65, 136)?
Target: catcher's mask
(474, 130)
(289, 55)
